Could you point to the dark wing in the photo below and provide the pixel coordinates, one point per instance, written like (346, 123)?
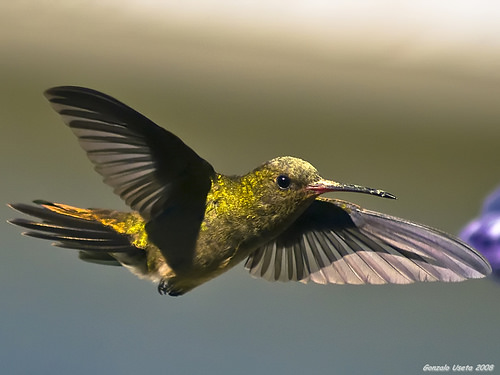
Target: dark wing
(140, 160)
(151, 169)
(338, 242)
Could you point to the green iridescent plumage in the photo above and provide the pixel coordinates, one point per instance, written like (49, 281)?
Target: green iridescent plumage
(189, 223)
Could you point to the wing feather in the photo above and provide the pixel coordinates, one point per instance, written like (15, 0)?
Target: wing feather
(134, 155)
(338, 242)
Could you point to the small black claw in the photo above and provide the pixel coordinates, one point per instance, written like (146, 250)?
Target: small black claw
(165, 287)
(175, 292)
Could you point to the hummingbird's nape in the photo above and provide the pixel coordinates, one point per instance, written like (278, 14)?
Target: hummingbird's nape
(189, 224)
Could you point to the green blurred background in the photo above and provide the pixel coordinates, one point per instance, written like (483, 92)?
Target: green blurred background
(396, 95)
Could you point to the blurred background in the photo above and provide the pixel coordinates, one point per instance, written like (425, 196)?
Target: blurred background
(398, 95)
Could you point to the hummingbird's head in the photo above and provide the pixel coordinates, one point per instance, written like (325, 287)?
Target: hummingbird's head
(288, 178)
(282, 186)
(285, 186)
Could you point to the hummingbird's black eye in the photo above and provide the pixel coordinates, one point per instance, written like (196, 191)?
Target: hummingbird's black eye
(283, 181)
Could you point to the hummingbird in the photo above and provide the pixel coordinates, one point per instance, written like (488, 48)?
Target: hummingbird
(189, 223)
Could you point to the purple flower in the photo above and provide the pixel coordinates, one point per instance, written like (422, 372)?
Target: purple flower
(483, 233)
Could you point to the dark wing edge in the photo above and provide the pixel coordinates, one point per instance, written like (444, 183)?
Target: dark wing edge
(337, 242)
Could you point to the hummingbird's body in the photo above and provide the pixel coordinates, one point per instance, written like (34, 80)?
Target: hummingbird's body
(189, 223)
(237, 220)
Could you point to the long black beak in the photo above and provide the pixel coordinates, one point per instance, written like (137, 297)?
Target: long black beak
(324, 186)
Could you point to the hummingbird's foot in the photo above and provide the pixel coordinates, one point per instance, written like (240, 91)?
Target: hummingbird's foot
(165, 286)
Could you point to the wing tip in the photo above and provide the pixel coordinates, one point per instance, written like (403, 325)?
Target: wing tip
(62, 91)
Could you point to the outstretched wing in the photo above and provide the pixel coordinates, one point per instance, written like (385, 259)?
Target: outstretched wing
(143, 162)
(338, 242)
(151, 169)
